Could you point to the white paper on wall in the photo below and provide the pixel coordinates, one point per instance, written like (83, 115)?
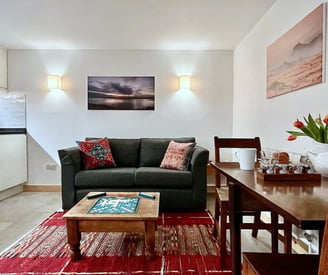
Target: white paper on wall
(12, 110)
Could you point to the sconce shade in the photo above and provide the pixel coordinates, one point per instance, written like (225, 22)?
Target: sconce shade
(185, 82)
(54, 82)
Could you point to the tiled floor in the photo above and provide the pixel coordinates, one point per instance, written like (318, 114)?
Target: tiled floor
(21, 213)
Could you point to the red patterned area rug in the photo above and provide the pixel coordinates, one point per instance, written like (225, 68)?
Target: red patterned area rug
(184, 245)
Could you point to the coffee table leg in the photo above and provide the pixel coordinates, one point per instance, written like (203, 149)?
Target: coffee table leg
(74, 238)
(150, 228)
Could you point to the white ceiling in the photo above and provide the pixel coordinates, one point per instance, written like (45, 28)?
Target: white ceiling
(128, 24)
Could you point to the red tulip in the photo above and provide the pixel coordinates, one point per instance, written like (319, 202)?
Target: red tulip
(325, 120)
(291, 137)
(298, 124)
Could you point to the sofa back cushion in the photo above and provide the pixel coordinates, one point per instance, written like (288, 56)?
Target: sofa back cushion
(125, 151)
(152, 150)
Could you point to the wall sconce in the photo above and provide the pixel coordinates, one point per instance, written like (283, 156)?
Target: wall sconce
(54, 82)
(185, 82)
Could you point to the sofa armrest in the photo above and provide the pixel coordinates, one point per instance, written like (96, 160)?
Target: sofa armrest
(199, 157)
(198, 166)
(71, 163)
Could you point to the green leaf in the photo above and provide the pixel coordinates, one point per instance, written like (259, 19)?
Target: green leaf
(319, 122)
(296, 133)
(308, 132)
(312, 129)
(316, 130)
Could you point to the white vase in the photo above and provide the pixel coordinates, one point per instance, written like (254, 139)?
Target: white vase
(319, 147)
(319, 157)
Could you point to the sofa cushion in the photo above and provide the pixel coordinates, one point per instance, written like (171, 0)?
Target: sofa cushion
(96, 153)
(177, 155)
(125, 151)
(106, 178)
(156, 177)
(152, 150)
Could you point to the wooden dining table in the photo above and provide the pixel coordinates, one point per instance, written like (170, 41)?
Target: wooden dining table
(303, 203)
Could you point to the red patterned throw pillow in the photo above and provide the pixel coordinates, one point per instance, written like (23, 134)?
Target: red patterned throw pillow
(177, 155)
(96, 153)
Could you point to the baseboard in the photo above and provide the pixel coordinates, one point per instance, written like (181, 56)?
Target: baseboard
(4, 194)
(41, 188)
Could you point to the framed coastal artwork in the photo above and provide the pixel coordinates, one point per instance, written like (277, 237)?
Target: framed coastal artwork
(295, 60)
(121, 92)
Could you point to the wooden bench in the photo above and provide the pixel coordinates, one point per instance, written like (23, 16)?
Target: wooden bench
(280, 264)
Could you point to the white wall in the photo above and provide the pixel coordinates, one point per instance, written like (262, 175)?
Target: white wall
(42, 169)
(253, 114)
(56, 119)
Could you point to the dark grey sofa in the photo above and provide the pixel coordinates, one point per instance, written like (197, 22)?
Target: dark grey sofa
(137, 169)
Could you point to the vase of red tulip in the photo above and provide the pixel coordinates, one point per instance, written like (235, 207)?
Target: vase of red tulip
(316, 129)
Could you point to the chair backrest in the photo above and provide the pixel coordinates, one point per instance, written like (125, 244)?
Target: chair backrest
(323, 265)
(220, 143)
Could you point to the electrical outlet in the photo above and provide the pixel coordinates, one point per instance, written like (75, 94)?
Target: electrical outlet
(51, 166)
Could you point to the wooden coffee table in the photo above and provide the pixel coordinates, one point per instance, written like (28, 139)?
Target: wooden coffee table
(144, 221)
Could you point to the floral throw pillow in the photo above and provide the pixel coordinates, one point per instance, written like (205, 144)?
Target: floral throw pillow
(177, 155)
(96, 153)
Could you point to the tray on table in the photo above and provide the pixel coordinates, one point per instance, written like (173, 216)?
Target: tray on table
(289, 177)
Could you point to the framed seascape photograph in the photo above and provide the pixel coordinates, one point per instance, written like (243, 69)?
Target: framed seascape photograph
(121, 93)
(295, 60)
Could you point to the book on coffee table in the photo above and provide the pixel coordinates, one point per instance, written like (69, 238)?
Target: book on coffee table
(115, 205)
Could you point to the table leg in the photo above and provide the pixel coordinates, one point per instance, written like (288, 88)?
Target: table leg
(287, 237)
(235, 216)
(150, 228)
(274, 233)
(73, 238)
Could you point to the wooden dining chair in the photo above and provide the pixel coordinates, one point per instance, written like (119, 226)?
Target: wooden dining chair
(251, 206)
(288, 264)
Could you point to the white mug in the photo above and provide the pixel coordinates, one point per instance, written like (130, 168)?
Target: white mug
(246, 158)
